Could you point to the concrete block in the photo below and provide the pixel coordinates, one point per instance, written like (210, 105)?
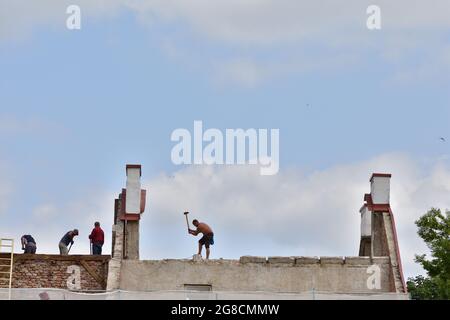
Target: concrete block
(252, 259)
(357, 261)
(331, 260)
(306, 260)
(286, 260)
(197, 258)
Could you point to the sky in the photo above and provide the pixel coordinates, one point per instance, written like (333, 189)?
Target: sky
(77, 105)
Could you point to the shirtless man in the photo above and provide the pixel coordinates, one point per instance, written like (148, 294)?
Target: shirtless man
(207, 239)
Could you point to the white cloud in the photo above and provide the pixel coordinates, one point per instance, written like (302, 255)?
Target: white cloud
(251, 72)
(273, 21)
(288, 214)
(252, 21)
(20, 18)
(248, 29)
(45, 211)
(300, 37)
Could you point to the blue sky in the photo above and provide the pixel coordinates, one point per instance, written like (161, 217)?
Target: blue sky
(76, 106)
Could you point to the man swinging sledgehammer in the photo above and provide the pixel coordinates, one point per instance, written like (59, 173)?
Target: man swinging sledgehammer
(206, 240)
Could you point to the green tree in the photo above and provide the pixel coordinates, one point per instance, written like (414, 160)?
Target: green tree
(434, 229)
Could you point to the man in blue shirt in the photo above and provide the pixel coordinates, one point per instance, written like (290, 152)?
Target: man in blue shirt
(68, 238)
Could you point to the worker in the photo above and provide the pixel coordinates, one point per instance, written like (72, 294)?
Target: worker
(206, 240)
(28, 244)
(97, 237)
(68, 238)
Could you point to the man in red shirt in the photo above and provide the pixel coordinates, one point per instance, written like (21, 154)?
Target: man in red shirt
(97, 239)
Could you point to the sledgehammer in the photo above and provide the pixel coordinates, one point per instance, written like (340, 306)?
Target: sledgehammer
(187, 221)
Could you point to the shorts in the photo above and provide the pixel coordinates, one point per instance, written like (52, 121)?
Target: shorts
(207, 240)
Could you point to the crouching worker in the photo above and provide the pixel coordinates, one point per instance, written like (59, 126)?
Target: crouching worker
(28, 244)
(206, 240)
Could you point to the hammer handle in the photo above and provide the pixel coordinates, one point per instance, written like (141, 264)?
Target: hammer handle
(187, 222)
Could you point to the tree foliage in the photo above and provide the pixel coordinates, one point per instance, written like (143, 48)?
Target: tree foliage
(434, 229)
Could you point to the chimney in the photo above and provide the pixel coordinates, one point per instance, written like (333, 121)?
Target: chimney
(375, 202)
(133, 196)
(130, 206)
(380, 186)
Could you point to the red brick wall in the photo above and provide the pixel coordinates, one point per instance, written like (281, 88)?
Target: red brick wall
(51, 271)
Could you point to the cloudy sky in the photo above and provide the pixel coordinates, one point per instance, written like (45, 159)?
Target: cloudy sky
(77, 105)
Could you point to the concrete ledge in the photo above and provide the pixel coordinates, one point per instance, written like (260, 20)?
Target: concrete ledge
(357, 261)
(381, 260)
(331, 260)
(252, 259)
(306, 260)
(58, 257)
(285, 260)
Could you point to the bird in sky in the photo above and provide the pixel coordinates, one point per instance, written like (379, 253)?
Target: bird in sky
(442, 139)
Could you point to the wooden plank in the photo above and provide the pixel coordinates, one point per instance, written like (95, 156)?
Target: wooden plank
(94, 275)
